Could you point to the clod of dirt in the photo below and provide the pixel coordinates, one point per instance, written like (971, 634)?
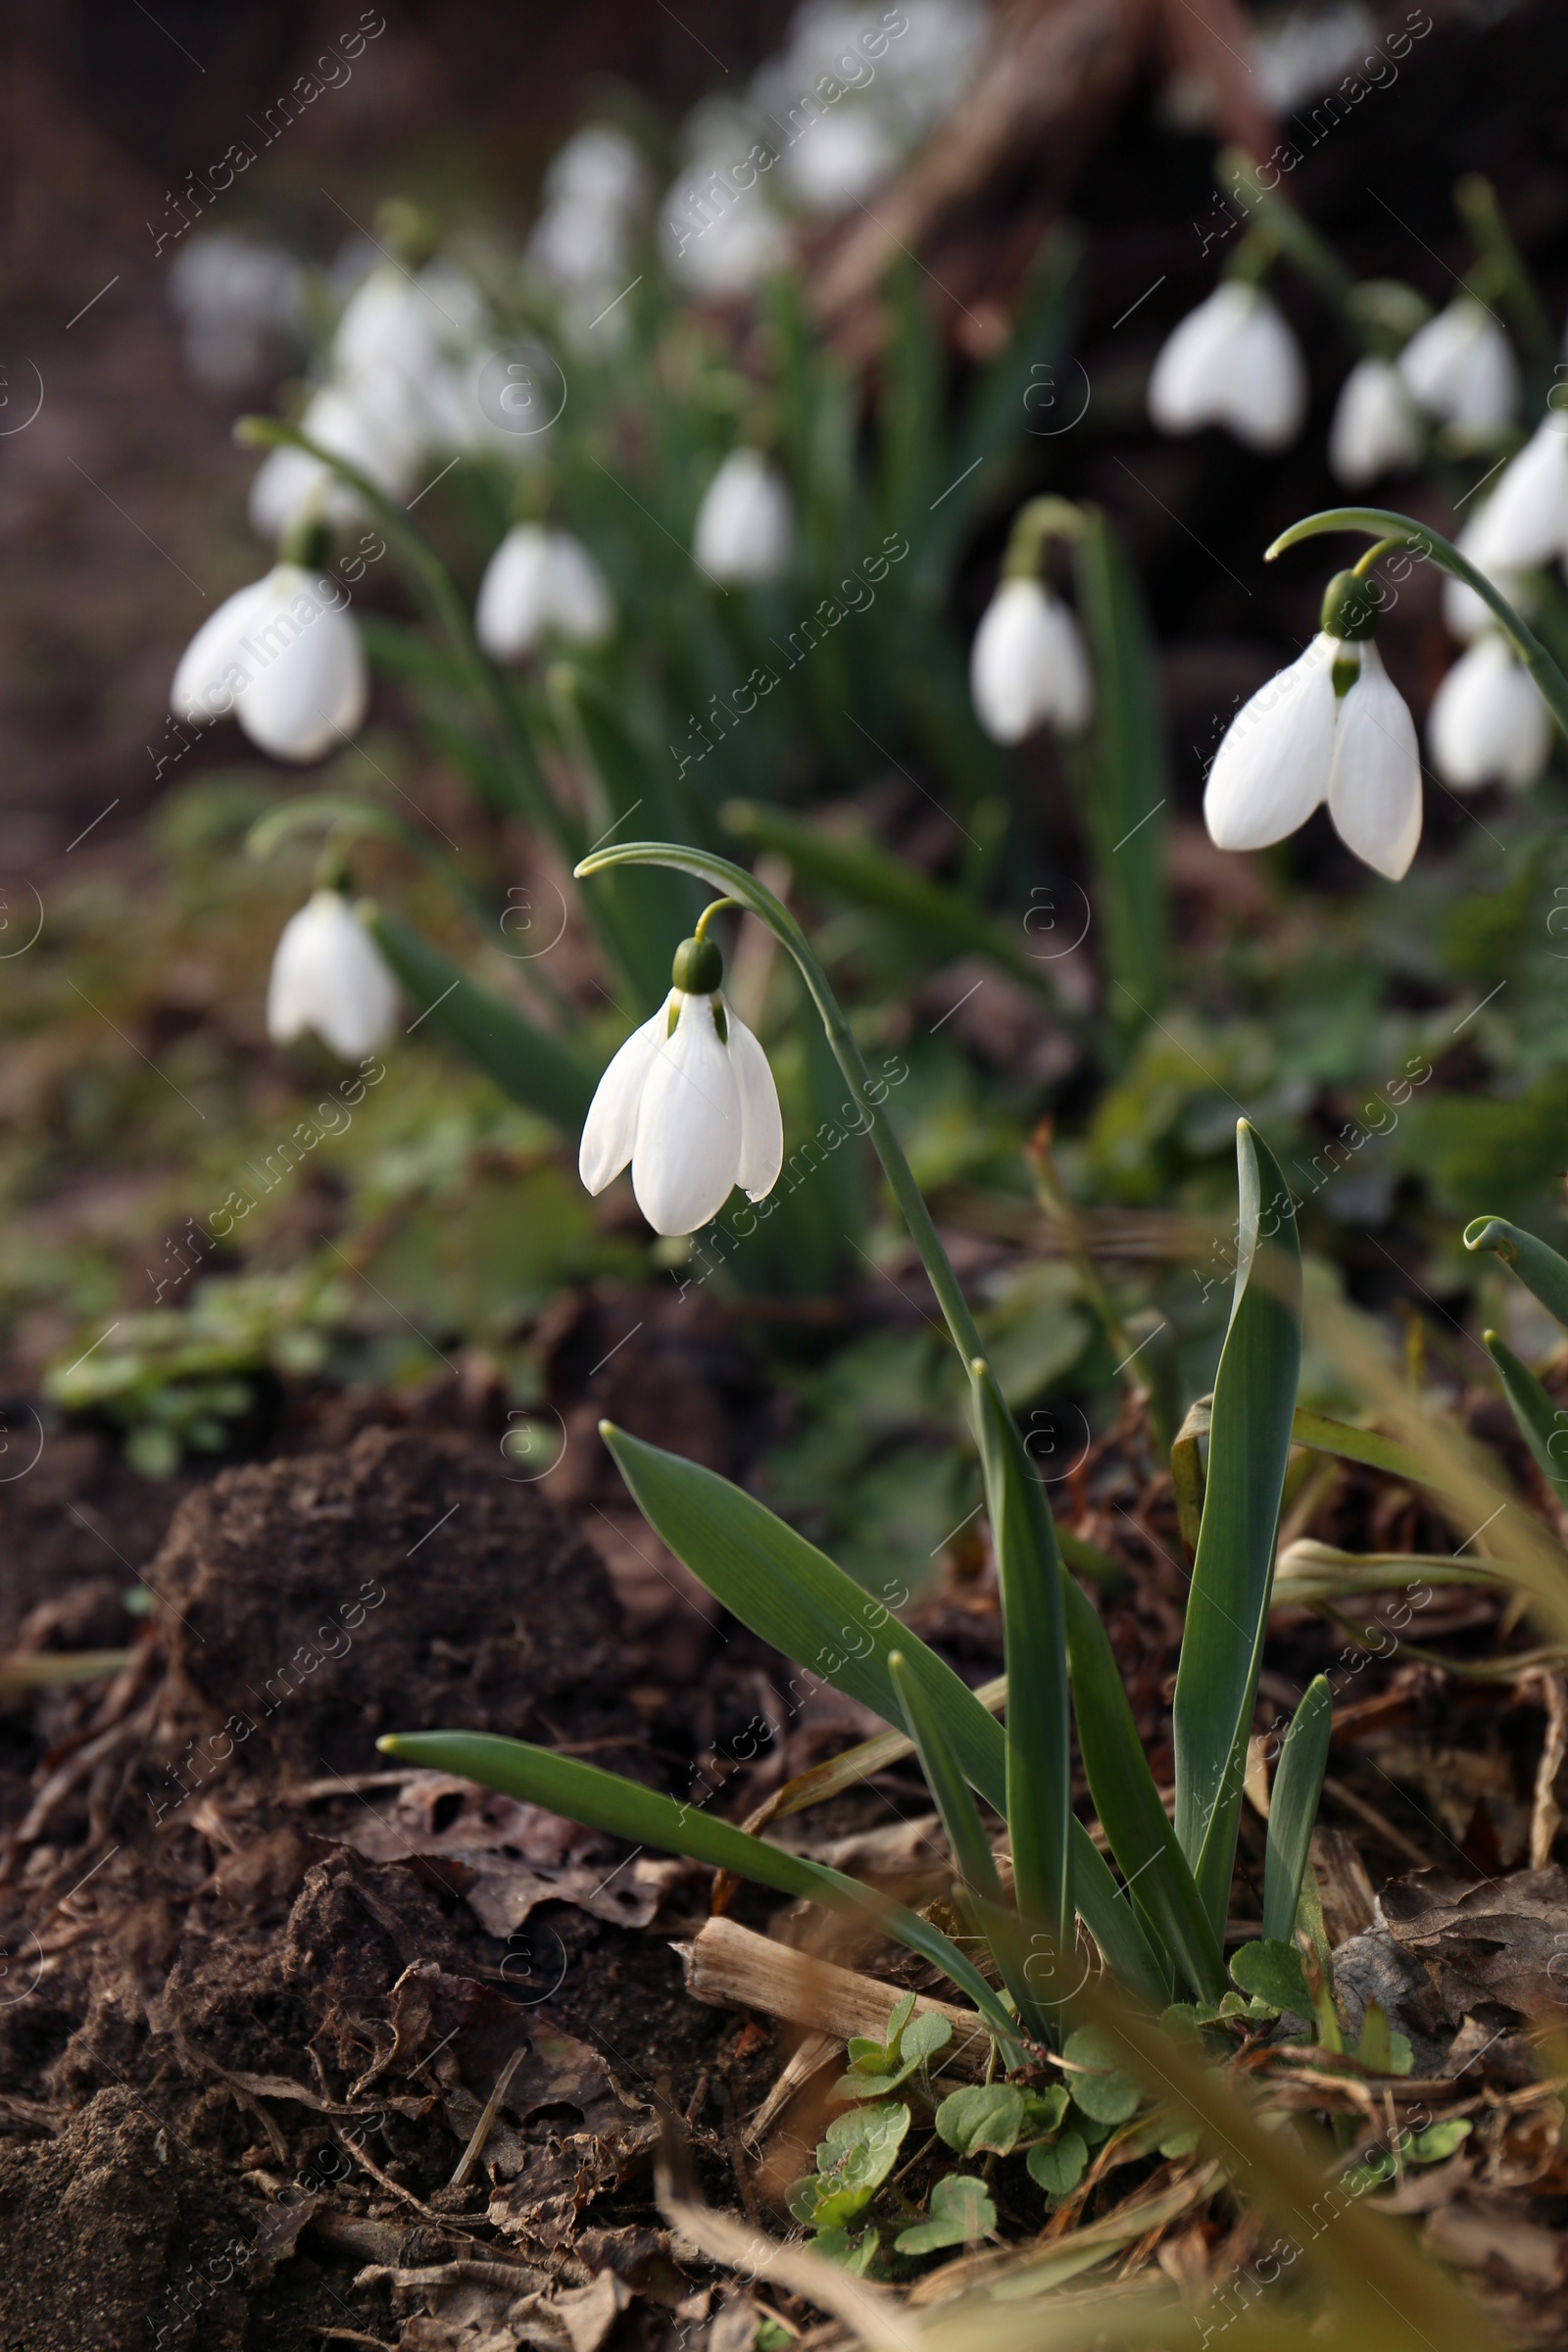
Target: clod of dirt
(408, 1582)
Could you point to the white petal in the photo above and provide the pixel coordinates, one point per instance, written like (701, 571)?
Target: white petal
(328, 975)
(580, 605)
(510, 615)
(744, 524)
(308, 686)
(1377, 426)
(207, 678)
(610, 1127)
(1375, 788)
(688, 1144)
(1180, 388)
(1028, 665)
(1261, 389)
(1462, 368)
(761, 1121)
(1487, 724)
(1273, 767)
(1524, 524)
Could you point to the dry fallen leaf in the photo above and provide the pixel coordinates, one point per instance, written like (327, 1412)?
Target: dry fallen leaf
(1505, 1939)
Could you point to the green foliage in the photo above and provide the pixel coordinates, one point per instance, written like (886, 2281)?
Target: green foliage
(1271, 1972)
(879, 2067)
(961, 2213)
(1104, 2091)
(853, 2160)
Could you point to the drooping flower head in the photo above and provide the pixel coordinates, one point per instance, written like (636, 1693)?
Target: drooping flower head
(689, 1101)
(328, 975)
(1488, 724)
(1232, 362)
(1333, 727)
(1028, 666)
(284, 655)
(539, 583)
(746, 524)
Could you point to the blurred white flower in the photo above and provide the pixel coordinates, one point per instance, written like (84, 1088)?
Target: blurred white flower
(1028, 665)
(689, 1102)
(848, 153)
(1488, 723)
(1465, 614)
(1524, 522)
(1331, 727)
(594, 192)
(541, 582)
(1232, 362)
(1302, 54)
(1460, 366)
(376, 440)
(746, 524)
(328, 975)
(1377, 426)
(284, 656)
(240, 305)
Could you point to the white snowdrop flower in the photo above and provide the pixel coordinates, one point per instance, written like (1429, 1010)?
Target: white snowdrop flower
(848, 153)
(284, 656)
(1465, 614)
(1331, 727)
(241, 304)
(1377, 426)
(1524, 524)
(593, 192)
(1460, 366)
(537, 582)
(717, 244)
(376, 439)
(1028, 666)
(1488, 724)
(1232, 362)
(746, 524)
(689, 1102)
(328, 975)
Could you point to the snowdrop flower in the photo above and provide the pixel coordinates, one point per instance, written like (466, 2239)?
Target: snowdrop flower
(377, 437)
(1524, 524)
(1331, 727)
(1028, 666)
(746, 524)
(240, 302)
(1462, 368)
(328, 975)
(689, 1102)
(539, 581)
(1377, 426)
(284, 656)
(593, 192)
(1488, 724)
(1232, 362)
(1465, 614)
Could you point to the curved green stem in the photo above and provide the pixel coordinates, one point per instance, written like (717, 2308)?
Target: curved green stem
(438, 591)
(743, 890)
(1400, 532)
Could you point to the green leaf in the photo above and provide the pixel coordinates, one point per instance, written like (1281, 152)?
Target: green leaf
(960, 1816)
(1104, 2091)
(604, 1801)
(983, 2114)
(922, 2039)
(1380, 2050)
(795, 1599)
(1438, 2141)
(1272, 1971)
(961, 2213)
(1031, 1575)
(1057, 2166)
(1227, 1607)
(1538, 1267)
(523, 1061)
(1128, 1803)
(1122, 775)
(853, 2159)
(1044, 2110)
(852, 2254)
(877, 2068)
(1292, 1809)
(1541, 1424)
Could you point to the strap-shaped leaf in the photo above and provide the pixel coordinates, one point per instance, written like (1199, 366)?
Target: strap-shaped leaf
(604, 1801)
(1128, 1804)
(1292, 1808)
(1538, 1268)
(524, 1062)
(794, 1597)
(1227, 1607)
(1030, 1573)
(1543, 1427)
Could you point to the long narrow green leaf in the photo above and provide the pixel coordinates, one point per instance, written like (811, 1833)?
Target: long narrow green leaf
(1292, 1808)
(1128, 1804)
(1538, 1268)
(794, 1597)
(1122, 774)
(1031, 1576)
(937, 917)
(1227, 1607)
(523, 1061)
(604, 1801)
(1540, 1423)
